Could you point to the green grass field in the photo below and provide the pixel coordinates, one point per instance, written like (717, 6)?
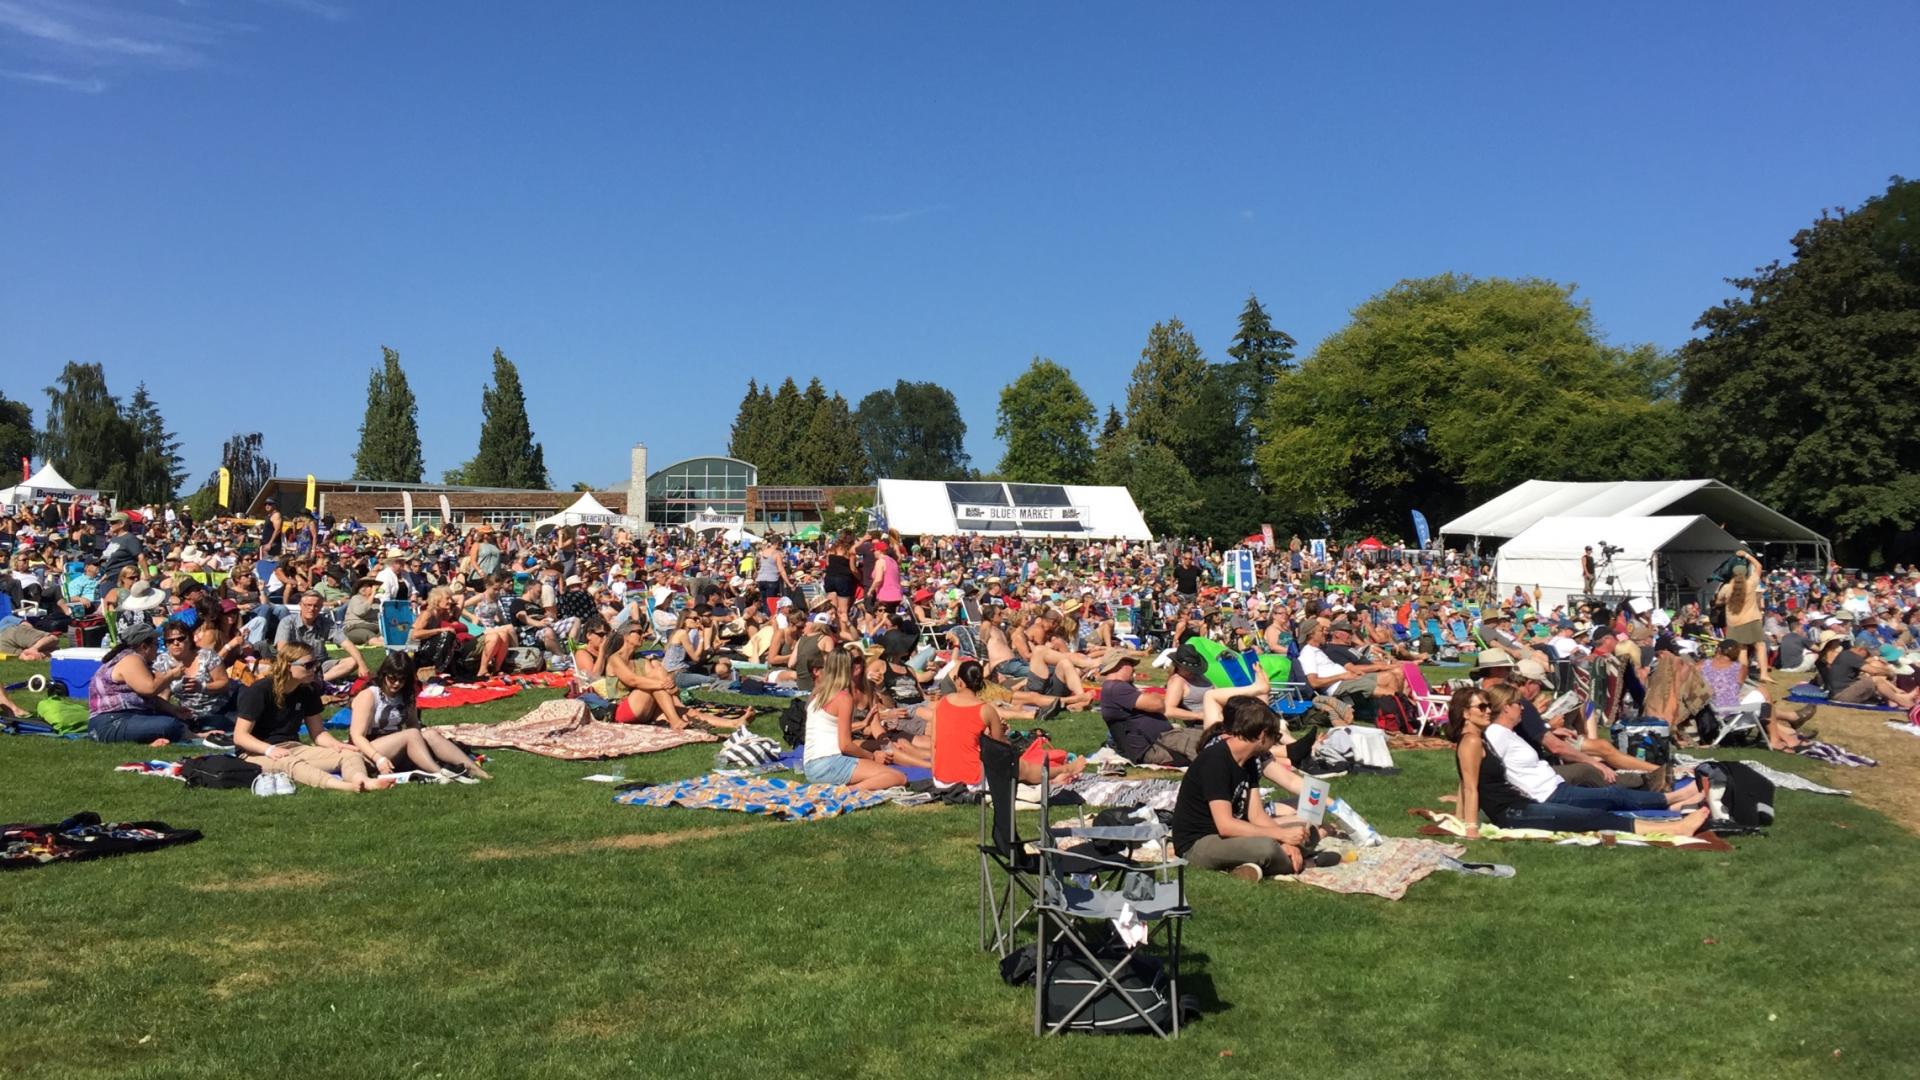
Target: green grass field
(532, 928)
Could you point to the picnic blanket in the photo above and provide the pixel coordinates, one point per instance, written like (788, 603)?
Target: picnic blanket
(1386, 869)
(794, 759)
(1808, 694)
(460, 694)
(1098, 791)
(1445, 824)
(1780, 777)
(84, 836)
(1417, 742)
(784, 799)
(563, 729)
(1833, 755)
(156, 767)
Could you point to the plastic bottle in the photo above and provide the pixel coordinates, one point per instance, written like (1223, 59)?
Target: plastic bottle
(1357, 827)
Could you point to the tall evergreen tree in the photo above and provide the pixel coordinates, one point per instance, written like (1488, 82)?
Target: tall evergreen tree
(508, 456)
(748, 440)
(1260, 353)
(390, 430)
(787, 420)
(85, 434)
(1047, 422)
(152, 472)
(16, 433)
(1166, 384)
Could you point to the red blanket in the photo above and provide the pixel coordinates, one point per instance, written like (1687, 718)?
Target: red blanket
(467, 695)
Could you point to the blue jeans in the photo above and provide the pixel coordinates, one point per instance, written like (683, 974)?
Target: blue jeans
(1607, 798)
(265, 618)
(134, 727)
(688, 680)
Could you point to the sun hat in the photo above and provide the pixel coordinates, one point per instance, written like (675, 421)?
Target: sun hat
(1489, 659)
(144, 596)
(1530, 670)
(1114, 661)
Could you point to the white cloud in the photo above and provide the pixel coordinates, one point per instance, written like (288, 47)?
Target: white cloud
(65, 43)
(896, 217)
(84, 85)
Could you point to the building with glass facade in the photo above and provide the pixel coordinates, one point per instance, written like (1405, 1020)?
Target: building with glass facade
(686, 489)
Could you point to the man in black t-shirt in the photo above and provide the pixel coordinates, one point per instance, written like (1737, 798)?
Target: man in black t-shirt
(1220, 820)
(1857, 677)
(1186, 578)
(1137, 719)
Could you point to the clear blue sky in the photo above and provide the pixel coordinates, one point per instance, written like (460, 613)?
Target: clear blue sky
(240, 201)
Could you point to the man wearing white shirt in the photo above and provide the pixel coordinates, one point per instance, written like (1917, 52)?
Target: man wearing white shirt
(1329, 679)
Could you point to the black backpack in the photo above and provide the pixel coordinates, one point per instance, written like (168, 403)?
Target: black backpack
(1738, 795)
(793, 722)
(218, 771)
(1070, 978)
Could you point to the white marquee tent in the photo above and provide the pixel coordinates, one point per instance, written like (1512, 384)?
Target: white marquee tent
(1665, 557)
(1513, 513)
(47, 481)
(586, 510)
(942, 508)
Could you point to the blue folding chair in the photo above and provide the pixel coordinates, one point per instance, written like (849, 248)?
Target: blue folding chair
(396, 622)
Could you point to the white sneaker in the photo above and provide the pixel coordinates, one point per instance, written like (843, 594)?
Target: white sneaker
(1247, 871)
(263, 785)
(282, 784)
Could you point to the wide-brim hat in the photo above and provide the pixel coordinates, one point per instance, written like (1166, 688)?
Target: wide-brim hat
(144, 596)
(1489, 659)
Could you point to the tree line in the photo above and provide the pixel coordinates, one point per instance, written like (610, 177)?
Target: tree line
(1438, 394)
(97, 441)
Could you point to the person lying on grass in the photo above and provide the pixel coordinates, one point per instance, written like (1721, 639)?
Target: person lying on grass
(1500, 773)
(269, 716)
(833, 755)
(1220, 818)
(386, 726)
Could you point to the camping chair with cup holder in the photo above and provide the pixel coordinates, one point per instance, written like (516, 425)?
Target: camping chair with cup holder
(1068, 893)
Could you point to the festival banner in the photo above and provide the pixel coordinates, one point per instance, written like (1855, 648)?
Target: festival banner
(446, 511)
(226, 488)
(406, 504)
(1420, 528)
(1266, 531)
(312, 488)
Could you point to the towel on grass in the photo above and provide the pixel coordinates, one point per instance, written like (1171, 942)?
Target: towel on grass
(1809, 694)
(168, 769)
(455, 696)
(1781, 778)
(1444, 824)
(563, 729)
(84, 836)
(1098, 791)
(1833, 755)
(1901, 725)
(785, 799)
(1386, 869)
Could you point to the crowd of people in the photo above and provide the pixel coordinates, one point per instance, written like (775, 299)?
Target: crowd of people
(908, 651)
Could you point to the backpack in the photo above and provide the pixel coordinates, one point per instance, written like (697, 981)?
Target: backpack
(1738, 796)
(67, 716)
(219, 771)
(1650, 741)
(745, 750)
(522, 660)
(793, 722)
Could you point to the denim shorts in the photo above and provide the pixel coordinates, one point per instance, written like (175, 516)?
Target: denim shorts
(835, 770)
(1014, 667)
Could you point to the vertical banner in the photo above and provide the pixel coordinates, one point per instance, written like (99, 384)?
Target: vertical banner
(1266, 531)
(446, 511)
(406, 504)
(1236, 570)
(1318, 549)
(311, 489)
(1420, 529)
(226, 487)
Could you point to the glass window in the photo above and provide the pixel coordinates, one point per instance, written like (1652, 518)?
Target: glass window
(684, 490)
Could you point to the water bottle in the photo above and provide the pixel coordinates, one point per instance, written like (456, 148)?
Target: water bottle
(1362, 833)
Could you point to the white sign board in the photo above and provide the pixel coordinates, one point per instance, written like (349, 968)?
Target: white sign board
(1032, 516)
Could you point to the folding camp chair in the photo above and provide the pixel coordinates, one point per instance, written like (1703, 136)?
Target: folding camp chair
(1431, 706)
(1744, 717)
(396, 622)
(1124, 631)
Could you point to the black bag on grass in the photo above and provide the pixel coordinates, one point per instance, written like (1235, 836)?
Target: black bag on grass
(1737, 794)
(1070, 978)
(218, 771)
(793, 722)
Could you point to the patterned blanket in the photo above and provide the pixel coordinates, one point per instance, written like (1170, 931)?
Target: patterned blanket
(786, 799)
(1158, 794)
(563, 729)
(1684, 763)
(1387, 869)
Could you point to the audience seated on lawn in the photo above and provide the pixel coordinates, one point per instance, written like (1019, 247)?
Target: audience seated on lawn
(386, 726)
(833, 756)
(267, 726)
(1220, 819)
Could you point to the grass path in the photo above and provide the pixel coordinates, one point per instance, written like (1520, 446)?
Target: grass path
(532, 928)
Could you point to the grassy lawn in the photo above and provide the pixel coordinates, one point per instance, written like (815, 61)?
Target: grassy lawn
(532, 928)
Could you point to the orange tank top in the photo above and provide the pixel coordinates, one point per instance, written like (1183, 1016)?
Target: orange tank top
(956, 742)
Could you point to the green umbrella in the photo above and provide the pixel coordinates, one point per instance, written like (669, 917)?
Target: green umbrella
(807, 532)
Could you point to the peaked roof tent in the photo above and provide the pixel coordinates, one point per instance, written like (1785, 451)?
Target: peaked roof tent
(1512, 513)
(586, 510)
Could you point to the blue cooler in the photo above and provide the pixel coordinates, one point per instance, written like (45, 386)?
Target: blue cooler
(75, 668)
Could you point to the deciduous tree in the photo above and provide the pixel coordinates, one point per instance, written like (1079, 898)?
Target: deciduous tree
(1047, 422)
(913, 432)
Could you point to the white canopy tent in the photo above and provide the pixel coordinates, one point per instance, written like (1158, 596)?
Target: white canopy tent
(1665, 558)
(1513, 513)
(47, 481)
(958, 508)
(586, 510)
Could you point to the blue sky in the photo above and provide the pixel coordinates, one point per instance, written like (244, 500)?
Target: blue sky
(240, 201)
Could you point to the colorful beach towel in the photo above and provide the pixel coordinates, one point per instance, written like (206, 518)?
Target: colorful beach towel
(1834, 755)
(1808, 694)
(168, 769)
(563, 729)
(84, 836)
(785, 799)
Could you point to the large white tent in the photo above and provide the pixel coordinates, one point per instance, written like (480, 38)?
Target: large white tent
(586, 510)
(942, 508)
(1514, 512)
(47, 481)
(1666, 557)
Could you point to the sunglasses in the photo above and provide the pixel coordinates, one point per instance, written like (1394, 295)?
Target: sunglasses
(1479, 706)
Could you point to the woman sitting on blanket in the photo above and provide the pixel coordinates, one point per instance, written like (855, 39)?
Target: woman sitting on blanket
(833, 755)
(266, 730)
(386, 724)
(960, 719)
(1501, 774)
(650, 690)
(440, 618)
